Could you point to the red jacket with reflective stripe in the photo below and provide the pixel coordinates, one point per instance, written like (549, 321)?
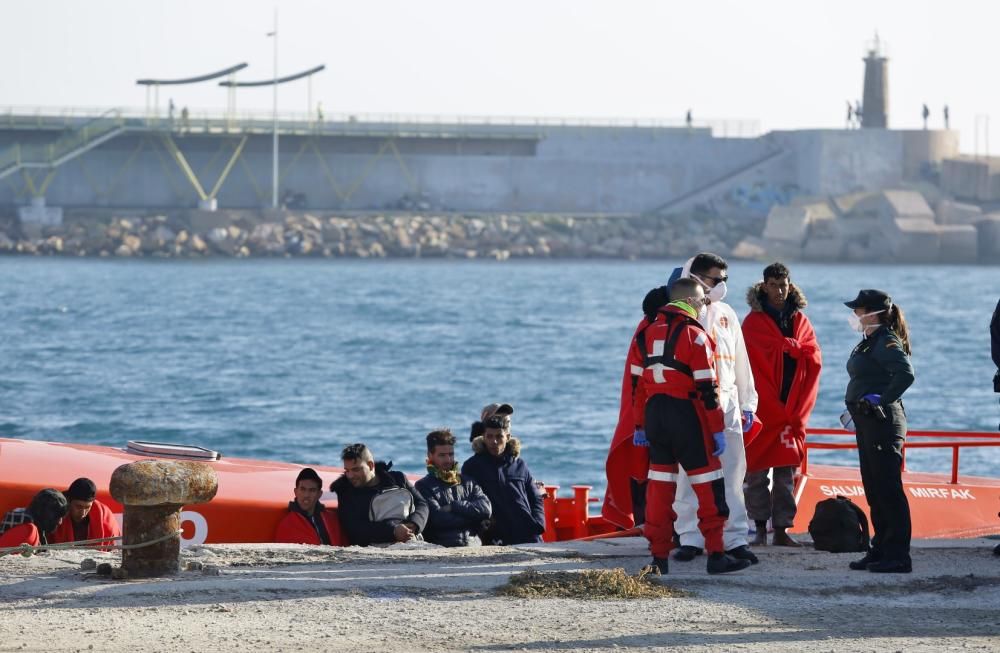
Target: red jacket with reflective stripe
(102, 524)
(694, 348)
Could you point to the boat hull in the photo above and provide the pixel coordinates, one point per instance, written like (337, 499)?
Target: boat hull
(253, 495)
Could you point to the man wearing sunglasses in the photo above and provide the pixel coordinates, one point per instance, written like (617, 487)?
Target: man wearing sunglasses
(738, 399)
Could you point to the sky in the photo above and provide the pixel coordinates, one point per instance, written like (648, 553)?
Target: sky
(785, 63)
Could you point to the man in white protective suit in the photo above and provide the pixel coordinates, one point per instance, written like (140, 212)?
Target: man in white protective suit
(739, 402)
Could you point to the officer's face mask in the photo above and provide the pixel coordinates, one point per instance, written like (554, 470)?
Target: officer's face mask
(856, 323)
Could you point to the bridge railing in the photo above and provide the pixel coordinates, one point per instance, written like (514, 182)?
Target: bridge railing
(71, 117)
(51, 153)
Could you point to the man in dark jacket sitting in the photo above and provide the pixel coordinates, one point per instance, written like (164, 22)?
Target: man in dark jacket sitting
(518, 513)
(458, 506)
(375, 505)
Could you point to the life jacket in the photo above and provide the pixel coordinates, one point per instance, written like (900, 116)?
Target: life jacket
(673, 323)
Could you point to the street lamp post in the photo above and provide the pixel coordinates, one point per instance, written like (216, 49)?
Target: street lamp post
(274, 117)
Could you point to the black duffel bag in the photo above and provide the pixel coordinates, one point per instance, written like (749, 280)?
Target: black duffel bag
(839, 526)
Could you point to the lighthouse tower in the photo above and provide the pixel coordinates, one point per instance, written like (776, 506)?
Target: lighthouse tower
(875, 99)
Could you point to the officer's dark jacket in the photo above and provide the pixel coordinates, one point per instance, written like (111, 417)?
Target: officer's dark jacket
(355, 507)
(518, 510)
(995, 335)
(467, 504)
(879, 365)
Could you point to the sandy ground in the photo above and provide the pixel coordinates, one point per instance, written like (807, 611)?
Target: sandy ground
(424, 598)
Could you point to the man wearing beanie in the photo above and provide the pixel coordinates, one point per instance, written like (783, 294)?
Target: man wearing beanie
(88, 518)
(307, 520)
(30, 525)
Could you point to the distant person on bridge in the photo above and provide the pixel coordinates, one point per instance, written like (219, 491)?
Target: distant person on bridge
(185, 119)
(926, 113)
(858, 116)
(786, 360)
(880, 372)
(88, 518)
(850, 115)
(947, 117)
(688, 120)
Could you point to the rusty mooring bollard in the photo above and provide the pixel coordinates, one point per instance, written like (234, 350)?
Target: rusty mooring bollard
(153, 493)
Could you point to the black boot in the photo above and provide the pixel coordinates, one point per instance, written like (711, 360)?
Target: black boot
(687, 553)
(720, 563)
(658, 566)
(862, 564)
(743, 553)
(891, 567)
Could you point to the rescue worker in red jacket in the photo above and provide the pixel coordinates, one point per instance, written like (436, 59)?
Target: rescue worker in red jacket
(308, 521)
(88, 518)
(678, 416)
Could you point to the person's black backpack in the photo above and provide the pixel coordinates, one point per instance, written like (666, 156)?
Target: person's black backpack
(839, 526)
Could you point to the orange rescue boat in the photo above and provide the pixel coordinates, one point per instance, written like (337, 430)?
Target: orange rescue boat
(253, 494)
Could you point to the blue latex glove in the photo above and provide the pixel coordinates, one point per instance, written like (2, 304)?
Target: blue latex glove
(747, 420)
(873, 399)
(639, 438)
(720, 443)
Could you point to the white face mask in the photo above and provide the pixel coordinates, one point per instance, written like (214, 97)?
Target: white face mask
(857, 325)
(718, 293)
(714, 294)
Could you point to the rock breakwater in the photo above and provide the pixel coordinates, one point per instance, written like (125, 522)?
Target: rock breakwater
(291, 234)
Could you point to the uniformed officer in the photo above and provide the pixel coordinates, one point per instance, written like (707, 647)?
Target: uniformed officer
(880, 371)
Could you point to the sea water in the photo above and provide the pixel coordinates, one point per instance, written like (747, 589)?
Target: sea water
(293, 359)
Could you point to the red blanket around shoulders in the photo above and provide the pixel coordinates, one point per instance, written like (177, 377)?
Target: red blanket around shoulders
(781, 442)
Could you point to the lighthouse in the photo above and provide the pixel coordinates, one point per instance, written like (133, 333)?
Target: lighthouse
(875, 98)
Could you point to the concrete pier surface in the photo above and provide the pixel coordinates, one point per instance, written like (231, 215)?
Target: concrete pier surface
(415, 597)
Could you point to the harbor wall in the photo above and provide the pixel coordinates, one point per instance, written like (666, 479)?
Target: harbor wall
(517, 168)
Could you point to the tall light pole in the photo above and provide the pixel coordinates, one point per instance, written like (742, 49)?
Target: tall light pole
(274, 117)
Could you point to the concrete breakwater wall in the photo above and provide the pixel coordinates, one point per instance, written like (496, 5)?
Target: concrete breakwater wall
(285, 234)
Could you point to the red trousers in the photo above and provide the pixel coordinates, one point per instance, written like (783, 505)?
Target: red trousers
(678, 439)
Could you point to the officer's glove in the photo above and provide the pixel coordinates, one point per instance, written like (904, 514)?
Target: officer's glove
(747, 420)
(639, 438)
(873, 399)
(720, 443)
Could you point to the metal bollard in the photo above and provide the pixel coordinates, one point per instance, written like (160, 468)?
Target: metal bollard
(152, 493)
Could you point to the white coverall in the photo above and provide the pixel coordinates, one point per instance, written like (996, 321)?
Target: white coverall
(736, 394)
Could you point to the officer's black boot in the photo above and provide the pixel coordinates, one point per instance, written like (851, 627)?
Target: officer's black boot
(720, 563)
(862, 564)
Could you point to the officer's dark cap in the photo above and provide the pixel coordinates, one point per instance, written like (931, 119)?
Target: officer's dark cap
(871, 299)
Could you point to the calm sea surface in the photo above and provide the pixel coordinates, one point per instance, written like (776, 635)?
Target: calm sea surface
(291, 360)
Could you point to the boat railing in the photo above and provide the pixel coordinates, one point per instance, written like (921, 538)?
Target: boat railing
(954, 440)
